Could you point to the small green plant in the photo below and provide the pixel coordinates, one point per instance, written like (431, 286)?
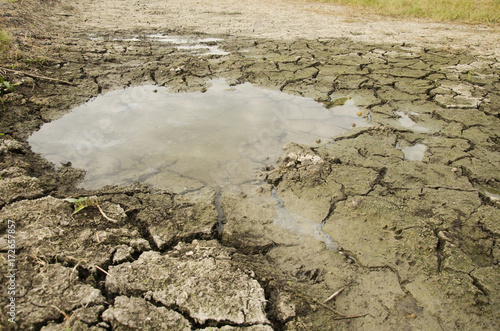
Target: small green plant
(84, 202)
(6, 87)
(36, 61)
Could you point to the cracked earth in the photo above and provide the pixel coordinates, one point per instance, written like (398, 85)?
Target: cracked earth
(412, 238)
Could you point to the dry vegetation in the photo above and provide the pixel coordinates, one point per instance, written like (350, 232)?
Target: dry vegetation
(465, 11)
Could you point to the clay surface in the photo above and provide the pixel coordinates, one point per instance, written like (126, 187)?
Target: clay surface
(402, 214)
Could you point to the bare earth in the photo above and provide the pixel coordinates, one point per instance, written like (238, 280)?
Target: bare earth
(415, 241)
(280, 20)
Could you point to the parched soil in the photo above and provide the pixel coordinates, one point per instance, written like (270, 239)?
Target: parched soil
(412, 242)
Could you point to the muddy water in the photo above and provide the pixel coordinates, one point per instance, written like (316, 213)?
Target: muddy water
(300, 225)
(183, 141)
(413, 153)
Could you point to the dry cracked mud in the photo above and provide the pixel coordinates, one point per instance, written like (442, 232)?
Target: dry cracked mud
(402, 215)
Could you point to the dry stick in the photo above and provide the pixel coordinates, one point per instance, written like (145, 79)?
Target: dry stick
(342, 316)
(329, 308)
(333, 295)
(59, 310)
(76, 266)
(37, 76)
(103, 270)
(349, 317)
(105, 216)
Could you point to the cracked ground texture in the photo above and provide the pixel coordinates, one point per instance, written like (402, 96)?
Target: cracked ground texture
(414, 243)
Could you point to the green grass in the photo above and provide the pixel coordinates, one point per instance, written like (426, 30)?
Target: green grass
(4, 41)
(464, 11)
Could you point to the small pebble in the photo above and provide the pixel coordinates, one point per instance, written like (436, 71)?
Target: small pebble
(353, 125)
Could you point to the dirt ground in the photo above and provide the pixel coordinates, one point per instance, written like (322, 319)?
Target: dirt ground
(405, 212)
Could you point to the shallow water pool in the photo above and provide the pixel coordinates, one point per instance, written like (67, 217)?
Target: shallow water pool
(184, 141)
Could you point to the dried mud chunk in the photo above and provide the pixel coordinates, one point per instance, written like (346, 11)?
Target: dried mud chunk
(168, 223)
(113, 210)
(183, 224)
(486, 279)
(445, 294)
(489, 218)
(453, 259)
(453, 95)
(415, 174)
(46, 229)
(356, 180)
(285, 307)
(55, 287)
(138, 314)
(373, 149)
(205, 288)
(18, 188)
(34, 217)
(122, 254)
(79, 320)
(8, 145)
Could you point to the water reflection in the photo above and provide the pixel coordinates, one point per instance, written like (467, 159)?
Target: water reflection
(186, 140)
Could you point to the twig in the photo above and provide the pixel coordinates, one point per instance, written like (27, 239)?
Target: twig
(103, 270)
(37, 76)
(105, 216)
(333, 295)
(349, 317)
(74, 269)
(329, 308)
(59, 310)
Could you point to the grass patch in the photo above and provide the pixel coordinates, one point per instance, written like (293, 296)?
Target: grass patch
(464, 11)
(4, 41)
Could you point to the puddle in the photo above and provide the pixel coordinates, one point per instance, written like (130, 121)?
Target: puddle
(414, 153)
(206, 46)
(190, 44)
(184, 141)
(299, 225)
(406, 122)
(493, 196)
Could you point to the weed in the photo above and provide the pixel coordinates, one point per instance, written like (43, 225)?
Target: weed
(5, 87)
(36, 62)
(85, 202)
(82, 203)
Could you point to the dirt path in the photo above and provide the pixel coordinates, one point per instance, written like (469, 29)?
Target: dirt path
(403, 215)
(279, 20)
